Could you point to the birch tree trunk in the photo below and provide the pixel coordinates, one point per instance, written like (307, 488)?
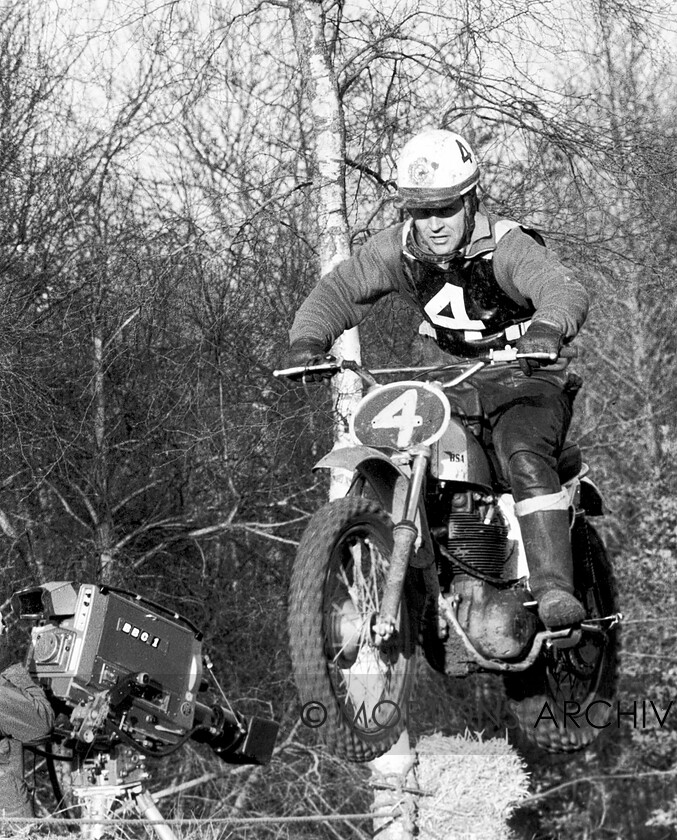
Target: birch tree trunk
(333, 238)
(319, 81)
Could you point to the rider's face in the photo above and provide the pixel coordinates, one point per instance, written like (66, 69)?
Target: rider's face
(440, 229)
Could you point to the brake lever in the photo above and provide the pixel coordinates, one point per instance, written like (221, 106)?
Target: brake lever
(329, 367)
(325, 367)
(510, 355)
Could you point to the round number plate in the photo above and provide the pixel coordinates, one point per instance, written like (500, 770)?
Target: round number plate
(401, 415)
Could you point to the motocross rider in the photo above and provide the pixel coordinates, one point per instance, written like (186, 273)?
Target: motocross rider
(479, 282)
(25, 716)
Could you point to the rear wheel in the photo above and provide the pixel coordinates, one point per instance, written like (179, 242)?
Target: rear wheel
(354, 693)
(564, 702)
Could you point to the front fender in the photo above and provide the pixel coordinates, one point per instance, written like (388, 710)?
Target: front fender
(350, 457)
(389, 483)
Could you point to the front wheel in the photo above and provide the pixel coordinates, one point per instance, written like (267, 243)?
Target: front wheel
(564, 702)
(355, 693)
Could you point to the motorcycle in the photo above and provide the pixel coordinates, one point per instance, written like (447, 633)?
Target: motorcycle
(424, 552)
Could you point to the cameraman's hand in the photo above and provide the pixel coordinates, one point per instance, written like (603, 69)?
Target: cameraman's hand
(539, 338)
(305, 353)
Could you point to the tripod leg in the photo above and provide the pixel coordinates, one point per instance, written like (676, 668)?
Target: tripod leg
(148, 810)
(95, 805)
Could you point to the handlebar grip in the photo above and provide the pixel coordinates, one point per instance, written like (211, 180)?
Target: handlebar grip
(568, 353)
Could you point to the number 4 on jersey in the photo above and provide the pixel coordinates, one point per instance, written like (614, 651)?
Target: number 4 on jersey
(451, 298)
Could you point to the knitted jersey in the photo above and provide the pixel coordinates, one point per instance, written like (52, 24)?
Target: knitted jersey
(502, 279)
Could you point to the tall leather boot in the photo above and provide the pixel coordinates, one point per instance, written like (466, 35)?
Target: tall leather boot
(548, 549)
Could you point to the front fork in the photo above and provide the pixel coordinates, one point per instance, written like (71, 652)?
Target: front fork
(404, 537)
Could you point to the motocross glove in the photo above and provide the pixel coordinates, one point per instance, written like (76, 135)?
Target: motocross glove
(307, 352)
(539, 338)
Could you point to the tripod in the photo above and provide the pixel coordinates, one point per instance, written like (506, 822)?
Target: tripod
(110, 778)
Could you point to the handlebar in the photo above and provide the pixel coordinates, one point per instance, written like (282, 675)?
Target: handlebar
(507, 356)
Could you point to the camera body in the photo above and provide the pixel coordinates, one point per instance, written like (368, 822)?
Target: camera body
(91, 639)
(126, 668)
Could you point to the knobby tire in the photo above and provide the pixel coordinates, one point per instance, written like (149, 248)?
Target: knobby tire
(337, 582)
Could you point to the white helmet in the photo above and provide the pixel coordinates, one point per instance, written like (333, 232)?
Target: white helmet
(434, 168)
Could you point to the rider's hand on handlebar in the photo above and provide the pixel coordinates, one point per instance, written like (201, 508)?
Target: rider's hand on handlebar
(306, 353)
(539, 338)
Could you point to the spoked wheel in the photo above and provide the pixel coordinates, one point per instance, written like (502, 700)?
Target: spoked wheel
(354, 692)
(564, 702)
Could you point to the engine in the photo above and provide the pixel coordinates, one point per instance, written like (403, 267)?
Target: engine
(475, 546)
(482, 546)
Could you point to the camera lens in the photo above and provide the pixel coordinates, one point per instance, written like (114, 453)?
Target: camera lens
(46, 647)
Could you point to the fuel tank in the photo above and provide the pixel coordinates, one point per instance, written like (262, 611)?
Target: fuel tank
(458, 456)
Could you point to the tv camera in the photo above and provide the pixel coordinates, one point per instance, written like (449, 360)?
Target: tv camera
(118, 670)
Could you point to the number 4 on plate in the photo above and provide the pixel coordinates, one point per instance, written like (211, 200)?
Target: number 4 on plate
(400, 414)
